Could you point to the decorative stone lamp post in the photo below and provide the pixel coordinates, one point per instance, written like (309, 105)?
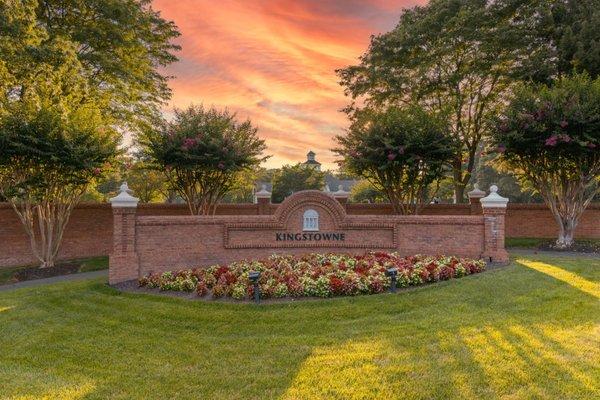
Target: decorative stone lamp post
(123, 260)
(263, 199)
(494, 212)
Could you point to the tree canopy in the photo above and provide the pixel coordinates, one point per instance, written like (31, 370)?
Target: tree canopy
(401, 151)
(119, 47)
(294, 178)
(202, 151)
(464, 56)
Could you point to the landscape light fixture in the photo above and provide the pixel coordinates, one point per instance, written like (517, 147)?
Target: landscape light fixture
(392, 273)
(254, 276)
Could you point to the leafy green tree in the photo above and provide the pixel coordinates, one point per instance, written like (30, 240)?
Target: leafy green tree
(561, 37)
(450, 56)
(148, 184)
(365, 192)
(48, 157)
(242, 190)
(402, 152)
(202, 152)
(294, 178)
(121, 47)
(550, 137)
(491, 172)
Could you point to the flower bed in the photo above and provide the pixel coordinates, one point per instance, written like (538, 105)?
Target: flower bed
(313, 275)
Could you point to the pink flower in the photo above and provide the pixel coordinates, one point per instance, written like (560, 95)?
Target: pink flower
(501, 148)
(504, 127)
(565, 138)
(552, 141)
(221, 165)
(401, 150)
(564, 124)
(97, 171)
(391, 156)
(188, 143)
(591, 145)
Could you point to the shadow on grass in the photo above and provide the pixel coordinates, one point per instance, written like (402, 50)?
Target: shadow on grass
(516, 332)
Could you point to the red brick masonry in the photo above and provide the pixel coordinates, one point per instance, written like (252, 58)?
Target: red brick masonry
(144, 244)
(90, 230)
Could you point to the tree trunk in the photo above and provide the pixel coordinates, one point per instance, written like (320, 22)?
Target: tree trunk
(459, 193)
(566, 232)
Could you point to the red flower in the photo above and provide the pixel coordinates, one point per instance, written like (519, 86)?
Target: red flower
(336, 285)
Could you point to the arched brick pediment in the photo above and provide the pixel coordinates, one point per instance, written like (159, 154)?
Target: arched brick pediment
(310, 199)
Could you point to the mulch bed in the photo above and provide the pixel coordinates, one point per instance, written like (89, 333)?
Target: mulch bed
(580, 246)
(35, 272)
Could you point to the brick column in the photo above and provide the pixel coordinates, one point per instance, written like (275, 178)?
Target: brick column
(475, 197)
(123, 260)
(263, 199)
(342, 196)
(494, 212)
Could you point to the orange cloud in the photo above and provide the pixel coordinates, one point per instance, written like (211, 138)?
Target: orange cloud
(274, 61)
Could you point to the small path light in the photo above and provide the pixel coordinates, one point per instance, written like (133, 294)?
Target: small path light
(392, 273)
(254, 276)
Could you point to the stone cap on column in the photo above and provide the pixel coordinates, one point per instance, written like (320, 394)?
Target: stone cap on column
(124, 199)
(476, 193)
(263, 193)
(494, 200)
(341, 193)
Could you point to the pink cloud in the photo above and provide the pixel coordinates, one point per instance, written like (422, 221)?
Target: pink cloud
(274, 62)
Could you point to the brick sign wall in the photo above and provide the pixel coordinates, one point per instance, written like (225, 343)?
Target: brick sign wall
(143, 244)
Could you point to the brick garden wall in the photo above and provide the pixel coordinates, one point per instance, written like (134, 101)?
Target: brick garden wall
(89, 232)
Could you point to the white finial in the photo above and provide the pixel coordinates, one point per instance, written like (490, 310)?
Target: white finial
(124, 198)
(494, 200)
(341, 193)
(476, 193)
(263, 193)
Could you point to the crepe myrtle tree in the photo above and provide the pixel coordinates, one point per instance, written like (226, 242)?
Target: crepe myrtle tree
(202, 151)
(550, 138)
(49, 155)
(403, 152)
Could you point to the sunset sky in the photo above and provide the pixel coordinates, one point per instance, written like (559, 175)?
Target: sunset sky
(274, 61)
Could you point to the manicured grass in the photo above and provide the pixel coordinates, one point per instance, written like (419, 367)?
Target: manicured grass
(530, 330)
(7, 275)
(524, 243)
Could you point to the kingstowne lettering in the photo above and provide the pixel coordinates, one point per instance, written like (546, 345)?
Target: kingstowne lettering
(308, 237)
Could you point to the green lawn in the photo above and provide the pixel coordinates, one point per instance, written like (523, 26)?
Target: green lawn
(527, 331)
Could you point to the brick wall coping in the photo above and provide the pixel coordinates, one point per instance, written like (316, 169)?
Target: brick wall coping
(225, 219)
